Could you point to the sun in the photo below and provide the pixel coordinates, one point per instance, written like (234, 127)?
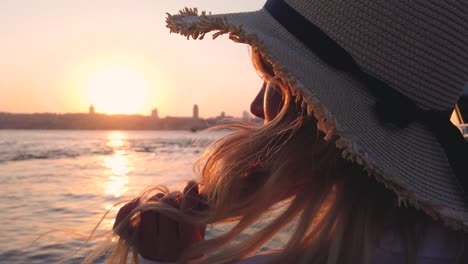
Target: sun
(118, 90)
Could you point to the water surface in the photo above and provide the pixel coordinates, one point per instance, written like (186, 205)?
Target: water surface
(68, 179)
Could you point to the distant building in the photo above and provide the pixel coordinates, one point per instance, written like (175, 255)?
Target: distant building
(195, 112)
(91, 109)
(182, 123)
(222, 115)
(154, 114)
(246, 116)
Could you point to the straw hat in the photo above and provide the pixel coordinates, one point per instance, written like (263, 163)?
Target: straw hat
(383, 76)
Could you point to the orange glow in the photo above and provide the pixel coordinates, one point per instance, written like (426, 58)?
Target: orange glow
(118, 89)
(117, 185)
(118, 164)
(116, 140)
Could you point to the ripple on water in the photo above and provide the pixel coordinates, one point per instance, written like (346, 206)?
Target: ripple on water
(56, 180)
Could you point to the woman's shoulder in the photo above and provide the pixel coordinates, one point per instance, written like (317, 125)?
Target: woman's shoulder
(259, 258)
(438, 245)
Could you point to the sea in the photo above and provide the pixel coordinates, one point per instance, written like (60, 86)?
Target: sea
(57, 181)
(52, 181)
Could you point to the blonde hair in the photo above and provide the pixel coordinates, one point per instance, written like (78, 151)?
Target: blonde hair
(285, 168)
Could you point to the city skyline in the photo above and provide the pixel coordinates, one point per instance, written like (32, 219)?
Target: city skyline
(93, 120)
(61, 56)
(244, 114)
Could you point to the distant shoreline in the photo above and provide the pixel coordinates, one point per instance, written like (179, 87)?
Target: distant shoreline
(96, 121)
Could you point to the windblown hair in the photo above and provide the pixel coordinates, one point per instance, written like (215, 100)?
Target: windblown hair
(287, 169)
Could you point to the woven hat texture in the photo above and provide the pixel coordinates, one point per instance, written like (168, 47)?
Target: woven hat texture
(419, 48)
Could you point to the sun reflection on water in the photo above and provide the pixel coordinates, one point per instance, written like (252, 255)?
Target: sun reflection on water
(116, 140)
(118, 164)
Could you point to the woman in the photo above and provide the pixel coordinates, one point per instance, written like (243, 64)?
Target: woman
(357, 149)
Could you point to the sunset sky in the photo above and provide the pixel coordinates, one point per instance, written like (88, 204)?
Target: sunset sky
(60, 56)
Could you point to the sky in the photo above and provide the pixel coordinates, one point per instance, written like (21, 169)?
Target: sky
(61, 56)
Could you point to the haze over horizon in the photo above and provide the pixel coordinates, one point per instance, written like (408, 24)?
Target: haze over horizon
(62, 56)
(97, 112)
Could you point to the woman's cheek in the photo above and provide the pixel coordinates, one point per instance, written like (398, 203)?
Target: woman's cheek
(273, 101)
